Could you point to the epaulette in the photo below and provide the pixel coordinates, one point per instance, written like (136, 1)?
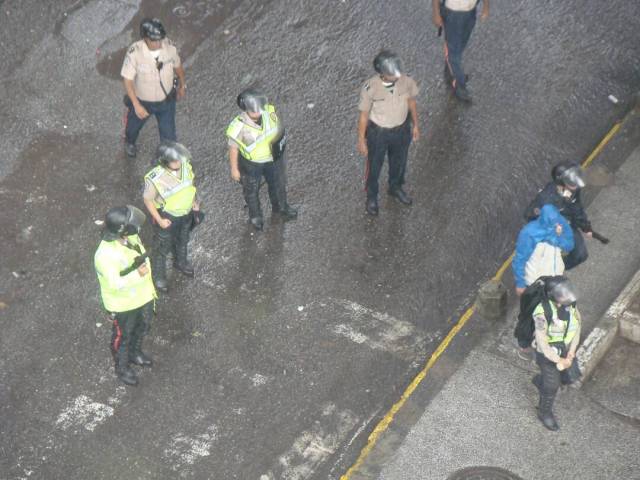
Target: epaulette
(367, 87)
(156, 172)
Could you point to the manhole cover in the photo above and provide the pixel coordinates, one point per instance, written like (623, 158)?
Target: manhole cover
(483, 473)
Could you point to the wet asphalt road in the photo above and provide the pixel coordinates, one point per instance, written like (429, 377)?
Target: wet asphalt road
(274, 361)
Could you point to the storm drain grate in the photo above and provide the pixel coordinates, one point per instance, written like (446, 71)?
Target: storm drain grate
(483, 473)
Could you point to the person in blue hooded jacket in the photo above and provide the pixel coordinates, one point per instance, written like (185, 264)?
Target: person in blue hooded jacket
(539, 247)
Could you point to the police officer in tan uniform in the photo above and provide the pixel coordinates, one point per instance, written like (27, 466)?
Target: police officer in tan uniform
(172, 201)
(387, 124)
(150, 70)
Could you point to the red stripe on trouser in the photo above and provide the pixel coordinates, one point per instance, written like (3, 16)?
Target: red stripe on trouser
(446, 59)
(125, 119)
(116, 341)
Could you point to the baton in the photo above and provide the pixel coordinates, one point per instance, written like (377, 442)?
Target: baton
(601, 238)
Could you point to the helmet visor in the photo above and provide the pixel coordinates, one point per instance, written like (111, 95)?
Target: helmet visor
(573, 177)
(255, 103)
(135, 220)
(563, 293)
(392, 67)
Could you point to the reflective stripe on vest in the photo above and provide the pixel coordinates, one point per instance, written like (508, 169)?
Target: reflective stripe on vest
(178, 200)
(121, 294)
(260, 149)
(557, 327)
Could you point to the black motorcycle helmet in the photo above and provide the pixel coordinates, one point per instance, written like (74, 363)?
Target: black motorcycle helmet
(152, 29)
(387, 63)
(560, 290)
(169, 151)
(122, 221)
(568, 174)
(251, 100)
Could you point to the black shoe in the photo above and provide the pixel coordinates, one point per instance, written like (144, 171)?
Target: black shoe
(186, 269)
(257, 223)
(162, 285)
(288, 213)
(402, 196)
(141, 359)
(372, 206)
(462, 94)
(126, 375)
(130, 149)
(549, 421)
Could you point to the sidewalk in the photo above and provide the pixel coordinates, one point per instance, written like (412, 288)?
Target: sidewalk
(485, 414)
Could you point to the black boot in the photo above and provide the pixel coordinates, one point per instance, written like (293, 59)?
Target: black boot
(372, 206)
(545, 412)
(125, 374)
(402, 196)
(137, 356)
(181, 247)
(161, 248)
(287, 213)
(257, 222)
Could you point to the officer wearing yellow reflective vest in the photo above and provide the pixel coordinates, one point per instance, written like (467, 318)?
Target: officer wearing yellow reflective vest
(256, 149)
(170, 197)
(557, 335)
(127, 289)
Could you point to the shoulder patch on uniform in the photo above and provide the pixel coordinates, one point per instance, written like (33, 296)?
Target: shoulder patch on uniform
(132, 49)
(367, 86)
(156, 172)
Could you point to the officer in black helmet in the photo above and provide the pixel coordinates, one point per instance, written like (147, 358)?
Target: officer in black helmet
(256, 140)
(557, 335)
(564, 192)
(153, 78)
(387, 124)
(127, 290)
(171, 199)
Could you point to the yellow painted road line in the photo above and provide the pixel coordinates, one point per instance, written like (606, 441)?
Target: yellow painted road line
(602, 144)
(383, 424)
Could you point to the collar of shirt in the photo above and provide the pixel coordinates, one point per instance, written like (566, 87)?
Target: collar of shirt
(247, 119)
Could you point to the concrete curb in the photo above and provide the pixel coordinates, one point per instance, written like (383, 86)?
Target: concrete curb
(601, 337)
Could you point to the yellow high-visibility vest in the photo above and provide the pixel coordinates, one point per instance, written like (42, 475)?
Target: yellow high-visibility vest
(121, 294)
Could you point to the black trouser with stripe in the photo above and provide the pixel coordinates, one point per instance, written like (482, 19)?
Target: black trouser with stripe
(251, 174)
(391, 142)
(129, 328)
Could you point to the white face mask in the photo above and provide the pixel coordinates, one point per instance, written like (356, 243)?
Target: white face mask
(566, 193)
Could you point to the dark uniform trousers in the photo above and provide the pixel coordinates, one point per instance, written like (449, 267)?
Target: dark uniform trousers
(174, 239)
(129, 329)
(551, 378)
(165, 113)
(457, 31)
(579, 253)
(381, 142)
(251, 174)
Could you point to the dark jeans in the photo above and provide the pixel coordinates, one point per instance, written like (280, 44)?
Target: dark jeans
(393, 142)
(579, 253)
(129, 328)
(251, 174)
(165, 113)
(174, 239)
(457, 31)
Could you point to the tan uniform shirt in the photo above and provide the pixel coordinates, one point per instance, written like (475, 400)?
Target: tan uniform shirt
(169, 179)
(461, 5)
(141, 67)
(387, 107)
(246, 135)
